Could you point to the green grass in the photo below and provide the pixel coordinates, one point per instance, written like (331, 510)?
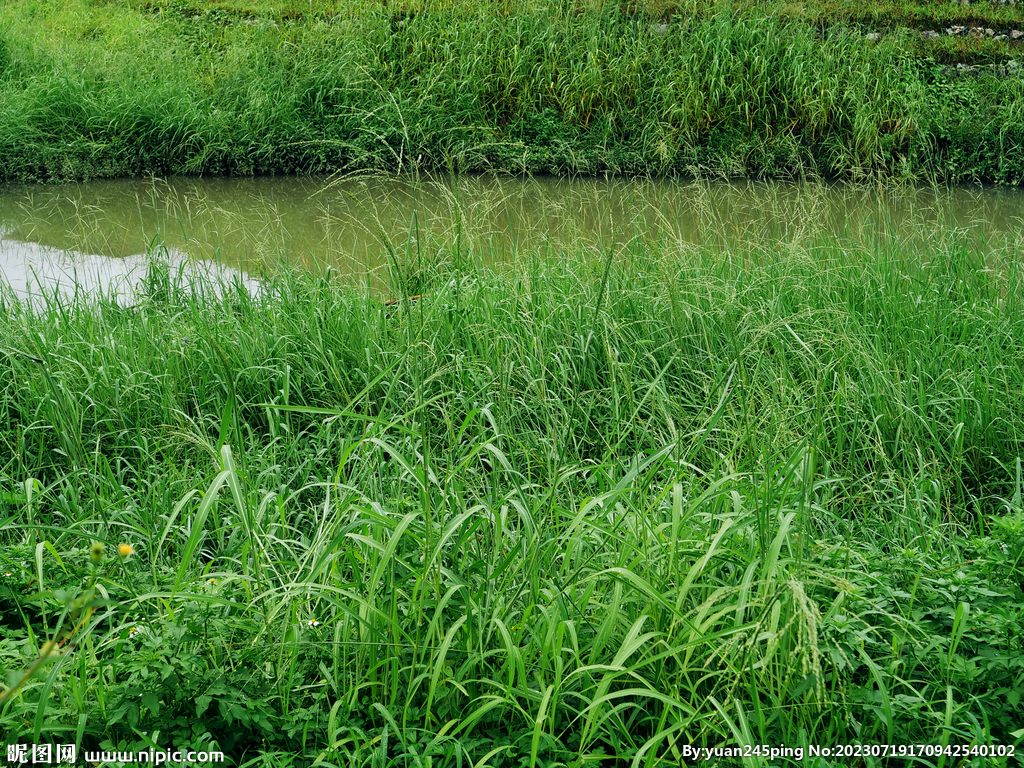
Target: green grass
(588, 509)
(97, 90)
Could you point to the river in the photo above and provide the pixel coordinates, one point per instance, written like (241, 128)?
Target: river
(95, 235)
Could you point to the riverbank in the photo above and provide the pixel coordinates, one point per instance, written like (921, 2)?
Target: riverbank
(582, 509)
(112, 89)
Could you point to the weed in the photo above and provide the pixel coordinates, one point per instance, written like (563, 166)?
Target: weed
(573, 509)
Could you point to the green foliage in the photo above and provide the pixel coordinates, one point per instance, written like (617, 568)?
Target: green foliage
(574, 511)
(720, 91)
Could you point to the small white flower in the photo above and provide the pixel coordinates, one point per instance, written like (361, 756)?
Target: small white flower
(313, 623)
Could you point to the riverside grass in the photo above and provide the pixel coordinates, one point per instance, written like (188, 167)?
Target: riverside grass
(112, 89)
(587, 509)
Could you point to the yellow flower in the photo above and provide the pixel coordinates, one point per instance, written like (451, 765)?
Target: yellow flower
(125, 549)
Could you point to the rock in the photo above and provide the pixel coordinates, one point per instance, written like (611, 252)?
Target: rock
(659, 29)
(1016, 34)
(930, 34)
(873, 36)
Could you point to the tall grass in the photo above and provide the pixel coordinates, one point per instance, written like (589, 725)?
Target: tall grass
(584, 509)
(109, 91)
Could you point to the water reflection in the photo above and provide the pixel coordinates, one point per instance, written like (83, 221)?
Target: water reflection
(358, 224)
(41, 274)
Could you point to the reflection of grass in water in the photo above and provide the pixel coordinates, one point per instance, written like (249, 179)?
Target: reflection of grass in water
(681, 494)
(65, 222)
(343, 223)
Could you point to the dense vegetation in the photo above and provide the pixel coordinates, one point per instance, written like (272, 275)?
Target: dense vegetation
(586, 510)
(91, 88)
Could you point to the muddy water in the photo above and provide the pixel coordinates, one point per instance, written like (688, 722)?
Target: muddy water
(97, 234)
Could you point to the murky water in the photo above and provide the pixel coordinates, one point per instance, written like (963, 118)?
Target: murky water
(94, 233)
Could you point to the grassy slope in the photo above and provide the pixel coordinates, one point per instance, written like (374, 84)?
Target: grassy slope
(564, 512)
(107, 89)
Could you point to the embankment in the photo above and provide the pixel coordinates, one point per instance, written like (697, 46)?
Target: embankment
(103, 90)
